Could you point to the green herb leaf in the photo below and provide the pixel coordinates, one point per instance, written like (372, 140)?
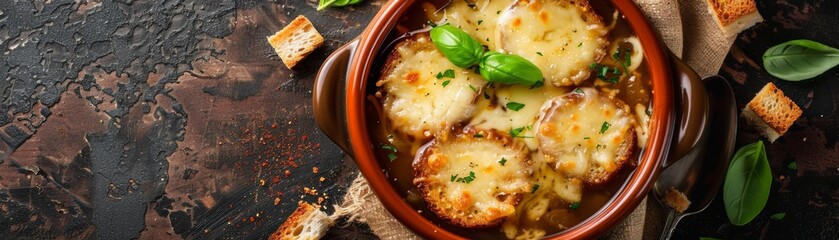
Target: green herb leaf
(467, 179)
(747, 184)
(391, 156)
(509, 69)
(454, 177)
(778, 216)
(604, 127)
(606, 73)
(535, 187)
(446, 82)
(389, 148)
(798, 60)
(473, 88)
(516, 131)
(515, 106)
(574, 205)
(460, 48)
(480, 21)
(502, 161)
(478, 135)
(586, 138)
(539, 53)
(792, 165)
(449, 73)
(325, 4)
(538, 84)
(579, 91)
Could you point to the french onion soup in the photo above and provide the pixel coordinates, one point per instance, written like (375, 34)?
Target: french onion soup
(510, 119)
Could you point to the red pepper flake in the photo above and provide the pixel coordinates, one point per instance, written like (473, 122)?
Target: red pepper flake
(275, 179)
(253, 219)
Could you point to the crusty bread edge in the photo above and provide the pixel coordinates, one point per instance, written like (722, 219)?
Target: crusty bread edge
(762, 127)
(741, 23)
(421, 171)
(295, 25)
(301, 214)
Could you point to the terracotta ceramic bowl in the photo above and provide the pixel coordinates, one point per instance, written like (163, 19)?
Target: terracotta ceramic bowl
(680, 110)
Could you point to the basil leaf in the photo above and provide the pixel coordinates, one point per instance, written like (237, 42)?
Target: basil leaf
(747, 184)
(353, 2)
(460, 48)
(340, 3)
(509, 69)
(798, 60)
(325, 4)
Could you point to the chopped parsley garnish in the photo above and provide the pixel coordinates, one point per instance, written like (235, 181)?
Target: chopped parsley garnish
(478, 135)
(627, 58)
(487, 39)
(473, 88)
(498, 12)
(538, 84)
(389, 148)
(515, 132)
(391, 155)
(574, 205)
(586, 138)
(535, 187)
(454, 177)
(515, 106)
(467, 179)
(605, 127)
(486, 96)
(502, 161)
(449, 73)
(580, 91)
(606, 73)
(446, 82)
(539, 53)
(580, 45)
(480, 21)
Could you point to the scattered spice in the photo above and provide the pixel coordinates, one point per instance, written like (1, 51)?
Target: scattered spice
(315, 169)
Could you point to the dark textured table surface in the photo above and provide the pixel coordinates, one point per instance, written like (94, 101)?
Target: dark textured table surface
(174, 118)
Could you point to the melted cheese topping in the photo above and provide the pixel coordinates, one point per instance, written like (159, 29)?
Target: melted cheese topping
(495, 115)
(584, 134)
(561, 38)
(478, 19)
(475, 181)
(417, 103)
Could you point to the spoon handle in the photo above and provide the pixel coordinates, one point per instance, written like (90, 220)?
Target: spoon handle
(672, 220)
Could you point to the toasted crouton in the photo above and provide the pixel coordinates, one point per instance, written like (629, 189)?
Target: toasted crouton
(677, 200)
(734, 16)
(296, 41)
(771, 112)
(306, 223)
(474, 179)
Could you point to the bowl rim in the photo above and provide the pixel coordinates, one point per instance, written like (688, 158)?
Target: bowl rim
(639, 183)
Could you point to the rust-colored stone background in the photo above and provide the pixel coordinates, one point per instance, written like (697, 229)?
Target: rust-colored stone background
(159, 119)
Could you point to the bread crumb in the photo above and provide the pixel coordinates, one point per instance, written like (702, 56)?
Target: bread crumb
(677, 200)
(322, 179)
(276, 201)
(315, 169)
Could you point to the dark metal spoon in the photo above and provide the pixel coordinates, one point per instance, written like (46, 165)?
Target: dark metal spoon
(700, 173)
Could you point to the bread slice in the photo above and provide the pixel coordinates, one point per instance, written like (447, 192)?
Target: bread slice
(734, 16)
(586, 134)
(296, 41)
(306, 223)
(771, 112)
(474, 179)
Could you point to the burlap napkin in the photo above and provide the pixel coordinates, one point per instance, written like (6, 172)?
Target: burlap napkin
(703, 47)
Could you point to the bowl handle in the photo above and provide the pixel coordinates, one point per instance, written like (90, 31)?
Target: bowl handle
(692, 110)
(329, 95)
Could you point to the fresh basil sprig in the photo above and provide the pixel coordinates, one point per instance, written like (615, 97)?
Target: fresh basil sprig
(801, 59)
(466, 52)
(747, 184)
(336, 3)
